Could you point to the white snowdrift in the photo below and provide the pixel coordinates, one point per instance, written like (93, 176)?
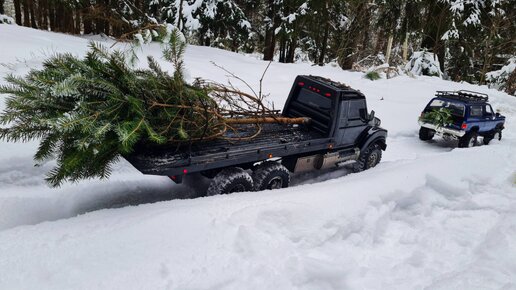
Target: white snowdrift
(429, 216)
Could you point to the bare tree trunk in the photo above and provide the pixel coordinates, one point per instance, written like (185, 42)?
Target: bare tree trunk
(270, 35)
(380, 40)
(324, 43)
(2, 6)
(44, 8)
(88, 25)
(389, 49)
(99, 22)
(405, 47)
(26, 13)
(39, 14)
(488, 53)
(32, 13)
(437, 19)
(349, 49)
(78, 22)
(269, 45)
(291, 51)
(17, 12)
(107, 29)
(180, 16)
(59, 18)
(269, 120)
(283, 50)
(52, 16)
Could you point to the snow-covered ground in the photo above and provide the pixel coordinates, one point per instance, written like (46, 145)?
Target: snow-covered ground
(430, 216)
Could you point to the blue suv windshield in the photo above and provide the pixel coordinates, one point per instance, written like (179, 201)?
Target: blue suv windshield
(457, 109)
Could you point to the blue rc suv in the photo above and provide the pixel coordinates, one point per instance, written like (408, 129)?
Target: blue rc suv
(471, 116)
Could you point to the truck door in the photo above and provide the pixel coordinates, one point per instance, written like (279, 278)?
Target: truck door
(353, 120)
(476, 117)
(489, 116)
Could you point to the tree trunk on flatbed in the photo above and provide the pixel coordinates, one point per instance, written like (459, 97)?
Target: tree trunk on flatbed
(268, 120)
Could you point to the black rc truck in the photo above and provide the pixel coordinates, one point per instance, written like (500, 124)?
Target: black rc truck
(340, 132)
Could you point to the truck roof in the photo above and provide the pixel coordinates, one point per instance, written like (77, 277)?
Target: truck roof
(468, 97)
(339, 89)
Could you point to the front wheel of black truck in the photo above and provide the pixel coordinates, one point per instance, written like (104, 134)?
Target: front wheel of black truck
(229, 180)
(369, 158)
(270, 175)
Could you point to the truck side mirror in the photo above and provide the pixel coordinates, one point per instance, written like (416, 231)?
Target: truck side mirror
(371, 116)
(497, 114)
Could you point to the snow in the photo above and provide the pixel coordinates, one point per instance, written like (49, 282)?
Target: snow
(429, 215)
(4, 19)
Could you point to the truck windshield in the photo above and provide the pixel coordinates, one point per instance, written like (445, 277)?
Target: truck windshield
(457, 109)
(314, 100)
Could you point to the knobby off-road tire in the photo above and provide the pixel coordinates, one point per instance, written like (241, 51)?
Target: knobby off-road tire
(426, 134)
(229, 180)
(468, 140)
(369, 158)
(495, 136)
(271, 175)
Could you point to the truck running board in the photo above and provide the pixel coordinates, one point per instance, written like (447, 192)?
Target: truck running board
(328, 160)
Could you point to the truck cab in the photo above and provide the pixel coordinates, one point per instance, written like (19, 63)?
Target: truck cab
(336, 111)
(471, 116)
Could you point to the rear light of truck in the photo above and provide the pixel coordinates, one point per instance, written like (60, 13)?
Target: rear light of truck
(327, 95)
(314, 89)
(464, 126)
(301, 84)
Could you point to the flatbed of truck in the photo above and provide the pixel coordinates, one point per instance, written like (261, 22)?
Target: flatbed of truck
(272, 140)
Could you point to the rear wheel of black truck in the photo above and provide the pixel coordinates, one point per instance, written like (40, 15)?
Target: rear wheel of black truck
(369, 158)
(271, 175)
(230, 180)
(426, 134)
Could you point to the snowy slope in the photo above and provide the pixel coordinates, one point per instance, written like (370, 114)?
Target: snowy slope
(429, 216)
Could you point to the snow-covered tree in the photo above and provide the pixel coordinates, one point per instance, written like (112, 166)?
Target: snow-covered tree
(501, 79)
(212, 22)
(480, 30)
(223, 24)
(293, 16)
(424, 63)
(4, 19)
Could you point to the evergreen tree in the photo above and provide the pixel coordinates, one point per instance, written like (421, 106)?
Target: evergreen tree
(293, 16)
(88, 112)
(223, 24)
(357, 21)
(470, 38)
(480, 30)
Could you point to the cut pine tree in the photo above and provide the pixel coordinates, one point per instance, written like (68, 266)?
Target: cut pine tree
(88, 112)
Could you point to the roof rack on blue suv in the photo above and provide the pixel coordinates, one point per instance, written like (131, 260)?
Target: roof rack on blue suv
(463, 95)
